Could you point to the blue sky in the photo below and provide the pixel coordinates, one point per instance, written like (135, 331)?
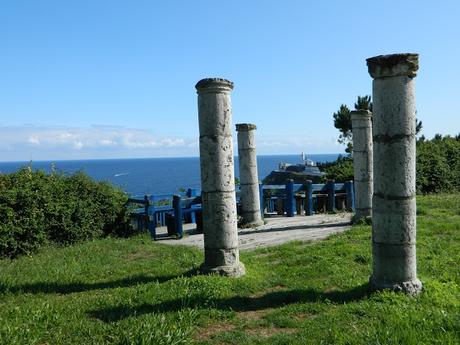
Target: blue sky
(115, 79)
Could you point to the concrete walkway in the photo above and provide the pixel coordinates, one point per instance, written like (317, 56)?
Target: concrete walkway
(277, 230)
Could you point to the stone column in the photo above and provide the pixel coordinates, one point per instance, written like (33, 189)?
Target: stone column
(361, 121)
(249, 179)
(393, 204)
(217, 178)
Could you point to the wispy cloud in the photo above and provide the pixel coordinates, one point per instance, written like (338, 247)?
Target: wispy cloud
(60, 142)
(295, 143)
(77, 142)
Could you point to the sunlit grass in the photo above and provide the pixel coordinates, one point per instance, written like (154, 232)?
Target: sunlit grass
(135, 291)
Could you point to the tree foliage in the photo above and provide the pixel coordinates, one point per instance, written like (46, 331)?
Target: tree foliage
(342, 121)
(437, 165)
(418, 126)
(363, 103)
(341, 170)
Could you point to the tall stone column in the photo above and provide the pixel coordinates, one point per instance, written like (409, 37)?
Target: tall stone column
(249, 179)
(361, 121)
(217, 178)
(393, 204)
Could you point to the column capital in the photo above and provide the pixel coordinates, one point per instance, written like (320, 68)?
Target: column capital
(214, 85)
(240, 127)
(393, 65)
(361, 113)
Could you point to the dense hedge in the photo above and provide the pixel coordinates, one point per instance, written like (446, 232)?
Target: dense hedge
(37, 208)
(438, 165)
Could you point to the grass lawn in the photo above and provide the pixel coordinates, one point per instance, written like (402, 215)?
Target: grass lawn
(135, 291)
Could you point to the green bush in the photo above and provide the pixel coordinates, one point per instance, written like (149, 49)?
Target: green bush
(38, 208)
(438, 165)
(341, 170)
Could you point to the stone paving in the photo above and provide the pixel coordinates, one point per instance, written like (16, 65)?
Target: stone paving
(277, 230)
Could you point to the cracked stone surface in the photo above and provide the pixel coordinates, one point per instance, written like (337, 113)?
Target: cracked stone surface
(362, 162)
(217, 178)
(393, 65)
(249, 179)
(394, 208)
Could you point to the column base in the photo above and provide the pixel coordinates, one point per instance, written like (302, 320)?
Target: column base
(251, 225)
(251, 219)
(411, 287)
(234, 270)
(365, 220)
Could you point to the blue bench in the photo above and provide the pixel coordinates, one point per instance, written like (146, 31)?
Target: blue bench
(167, 210)
(305, 198)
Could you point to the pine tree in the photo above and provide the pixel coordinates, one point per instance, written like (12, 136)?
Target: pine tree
(363, 103)
(342, 121)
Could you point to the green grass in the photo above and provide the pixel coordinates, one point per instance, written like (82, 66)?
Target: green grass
(135, 291)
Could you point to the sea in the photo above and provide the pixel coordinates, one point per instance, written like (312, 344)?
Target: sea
(141, 176)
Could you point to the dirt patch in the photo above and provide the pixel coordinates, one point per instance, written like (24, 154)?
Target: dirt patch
(214, 329)
(331, 289)
(303, 316)
(272, 289)
(211, 330)
(267, 332)
(253, 314)
(138, 255)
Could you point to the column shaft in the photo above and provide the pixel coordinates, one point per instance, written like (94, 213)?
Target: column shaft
(217, 178)
(249, 179)
(393, 207)
(362, 162)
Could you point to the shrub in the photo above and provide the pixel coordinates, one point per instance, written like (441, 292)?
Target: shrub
(38, 208)
(341, 170)
(438, 165)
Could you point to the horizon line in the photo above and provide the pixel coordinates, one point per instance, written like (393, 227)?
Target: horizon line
(167, 157)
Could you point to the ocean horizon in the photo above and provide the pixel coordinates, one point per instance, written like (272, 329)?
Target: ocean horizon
(140, 176)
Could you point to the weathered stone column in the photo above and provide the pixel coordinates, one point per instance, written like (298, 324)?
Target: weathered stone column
(361, 121)
(217, 178)
(393, 204)
(249, 178)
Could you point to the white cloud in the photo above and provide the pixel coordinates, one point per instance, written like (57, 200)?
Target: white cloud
(77, 145)
(309, 143)
(107, 142)
(52, 143)
(92, 137)
(98, 141)
(34, 140)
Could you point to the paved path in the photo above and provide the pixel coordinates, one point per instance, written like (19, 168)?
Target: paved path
(277, 230)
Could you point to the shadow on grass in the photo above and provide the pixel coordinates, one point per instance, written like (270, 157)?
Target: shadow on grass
(238, 304)
(294, 227)
(55, 287)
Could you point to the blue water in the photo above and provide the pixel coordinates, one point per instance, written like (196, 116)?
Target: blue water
(154, 175)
